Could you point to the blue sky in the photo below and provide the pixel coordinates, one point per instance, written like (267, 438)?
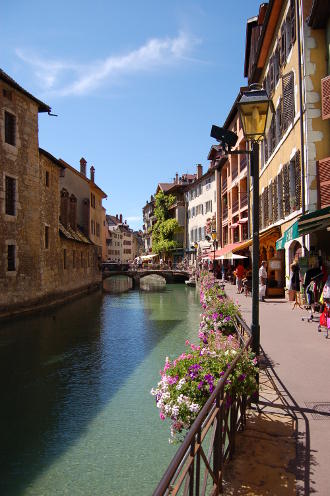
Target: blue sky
(136, 84)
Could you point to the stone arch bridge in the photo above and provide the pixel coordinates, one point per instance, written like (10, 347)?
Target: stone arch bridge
(171, 276)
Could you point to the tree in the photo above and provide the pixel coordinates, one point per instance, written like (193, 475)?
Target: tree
(165, 228)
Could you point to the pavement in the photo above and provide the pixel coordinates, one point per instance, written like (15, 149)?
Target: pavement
(290, 430)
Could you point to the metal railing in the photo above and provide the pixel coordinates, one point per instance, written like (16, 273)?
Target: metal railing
(235, 206)
(243, 200)
(198, 466)
(225, 213)
(242, 163)
(224, 184)
(234, 174)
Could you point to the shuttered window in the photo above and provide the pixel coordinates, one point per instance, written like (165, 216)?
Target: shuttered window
(325, 92)
(10, 128)
(292, 184)
(10, 185)
(324, 182)
(270, 203)
(275, 202)
(286, 189)
(288, 108)
(298, 179)
(11, 258)
(265, 207)
(280, 195)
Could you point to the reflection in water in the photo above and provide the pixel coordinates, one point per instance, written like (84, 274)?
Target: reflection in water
(117, 284)
(76, 415)
(154, 282)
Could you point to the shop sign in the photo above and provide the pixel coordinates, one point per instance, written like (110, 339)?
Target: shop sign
(289, 235)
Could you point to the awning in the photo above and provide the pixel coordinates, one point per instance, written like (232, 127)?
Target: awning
(245, 244)
(314, 221)
(230, 256)
(243, 221)
(290, 234)
(147, 257)
(233, 226)
(219, 253)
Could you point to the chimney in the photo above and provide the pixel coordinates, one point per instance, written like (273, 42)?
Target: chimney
(199, 171)
(117, 216)
(176, 178)
(73, 212)
(83, 166)
(92, 169)
(121, 218)
(64, 207)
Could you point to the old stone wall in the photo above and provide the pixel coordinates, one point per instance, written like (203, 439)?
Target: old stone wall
(20, 161)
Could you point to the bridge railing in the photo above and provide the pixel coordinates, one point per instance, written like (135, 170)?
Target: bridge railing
(198, 466)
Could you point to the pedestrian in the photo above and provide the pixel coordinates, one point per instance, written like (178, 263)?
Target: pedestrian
(262, 280)
(295, 283)
(240, 272)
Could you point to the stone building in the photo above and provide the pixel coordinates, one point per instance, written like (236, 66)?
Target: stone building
(123, 243)
(44, 258)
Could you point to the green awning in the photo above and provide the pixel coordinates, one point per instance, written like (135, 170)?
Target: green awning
(289, 235)
(314, 221)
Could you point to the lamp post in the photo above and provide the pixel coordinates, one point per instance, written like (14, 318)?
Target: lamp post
(256, 111)
(215, 243)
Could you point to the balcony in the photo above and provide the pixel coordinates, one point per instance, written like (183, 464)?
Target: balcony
(243, 200)
(235, 206)
(225, 213)
(242, 164)
(234, 174)
(224, 184)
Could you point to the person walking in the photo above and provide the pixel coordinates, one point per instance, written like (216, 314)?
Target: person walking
(262, 280)
(240, 272)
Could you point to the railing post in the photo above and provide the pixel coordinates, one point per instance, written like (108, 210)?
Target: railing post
(218, 443)
(191, 468)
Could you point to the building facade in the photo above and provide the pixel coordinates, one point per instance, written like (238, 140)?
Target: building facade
(46, 258)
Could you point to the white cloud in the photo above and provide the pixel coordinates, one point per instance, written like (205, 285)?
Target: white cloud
(63, 78)
(134, 218)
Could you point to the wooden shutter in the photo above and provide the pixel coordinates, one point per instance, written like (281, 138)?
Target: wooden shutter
(270, 202)
(260, 212)
(288, 109)
(282, 44)
(298, 179)
(280, 194)
(293, 21)
(271, 76)
(276, 65)
(286, 190)
(325, 92)
(324, 182)
(265, 206)
(275, 202)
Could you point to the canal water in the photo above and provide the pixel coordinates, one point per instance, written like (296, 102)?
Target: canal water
(77, 417)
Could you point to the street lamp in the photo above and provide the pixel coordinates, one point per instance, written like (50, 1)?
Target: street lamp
(256, 111)
(215, 244)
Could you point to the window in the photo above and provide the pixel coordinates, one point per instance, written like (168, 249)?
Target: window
(46, 237)
(97, 229)
(47, 179)
(64, 259)
(10, 129)
(92, 227)
(73, 259)
(208, 206)
(11, 258)
(92, 200)
(81, 259)
(10, 185)
(288, 107)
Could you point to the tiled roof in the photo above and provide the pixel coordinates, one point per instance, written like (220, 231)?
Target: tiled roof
(43, 107)
(77, 235)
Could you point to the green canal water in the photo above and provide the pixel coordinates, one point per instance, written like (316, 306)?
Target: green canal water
(77, 417)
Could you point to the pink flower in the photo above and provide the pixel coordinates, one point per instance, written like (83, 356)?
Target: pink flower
(161, 416)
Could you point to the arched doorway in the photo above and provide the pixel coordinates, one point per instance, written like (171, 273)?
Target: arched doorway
(295, 251)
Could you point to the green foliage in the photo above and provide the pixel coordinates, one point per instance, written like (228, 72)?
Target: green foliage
(165, 228)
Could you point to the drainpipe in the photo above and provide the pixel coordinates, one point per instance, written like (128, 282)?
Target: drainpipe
(299, 20)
